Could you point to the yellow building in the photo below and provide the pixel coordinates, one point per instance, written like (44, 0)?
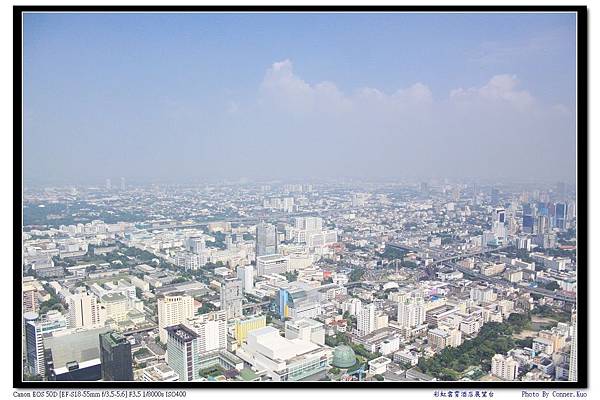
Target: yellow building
(245, 325)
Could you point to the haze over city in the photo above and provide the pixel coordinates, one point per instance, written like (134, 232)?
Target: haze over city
(179, 97)
(249, 199)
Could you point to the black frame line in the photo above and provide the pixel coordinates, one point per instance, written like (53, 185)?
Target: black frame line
(582, 198)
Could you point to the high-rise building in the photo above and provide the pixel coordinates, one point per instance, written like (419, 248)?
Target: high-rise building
(123, 184)
(499, 225)
(85, 311)
(411, 311)
(482, 294)
(115, 357)
(198, 346)
(231, 297)
(181, 351)
(542, 225)
(365, 322)
(173, 309)
(247, 324)
(505, 368)
(266, 239)
(560, 216)
(34, 345)
(528, 218)
(30, 298)
(573, 354)
(306, 329)
(288, 204)
(246, 275)
(195, 245)
(108, 184)
(211, 329)
(310, 224)
(272, 264)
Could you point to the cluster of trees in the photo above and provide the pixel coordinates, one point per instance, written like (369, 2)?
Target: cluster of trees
(206, 308)
(291, 276)
(549, 312)
(356, 274)
(51, 304)
(393, 253)
(552, 285)
(572, 254)
(493, 338)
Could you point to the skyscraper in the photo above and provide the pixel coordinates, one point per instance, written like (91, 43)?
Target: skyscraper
(266, 239)
(411, 312)
(231, 297)
(115, 357)
(528, 218)
(108, 184)
(173, 309)
(246, 275)
(560, 217)
(573, 354)
(365, 323)
(499, 225)
(34, 345)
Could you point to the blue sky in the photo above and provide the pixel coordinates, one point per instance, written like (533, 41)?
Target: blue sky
(149, 95)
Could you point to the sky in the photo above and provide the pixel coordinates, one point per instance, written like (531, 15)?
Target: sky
(207, 96)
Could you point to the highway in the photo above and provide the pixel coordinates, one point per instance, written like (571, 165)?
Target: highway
(449, 261)
(255, 305)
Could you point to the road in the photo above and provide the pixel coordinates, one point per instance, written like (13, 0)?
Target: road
(449, 261)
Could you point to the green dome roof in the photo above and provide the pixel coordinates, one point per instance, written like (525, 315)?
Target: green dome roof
(343, 356)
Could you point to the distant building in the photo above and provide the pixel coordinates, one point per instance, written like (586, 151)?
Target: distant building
(266, 239)
(365, 321)
(306, 329)
(411, 312)
(173, 309)
(231, 297)
(271, 264)
(505, 368)
(85, 311)
(115, 357)
(246, 275)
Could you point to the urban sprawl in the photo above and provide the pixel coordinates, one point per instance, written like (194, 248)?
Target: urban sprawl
(345, 281)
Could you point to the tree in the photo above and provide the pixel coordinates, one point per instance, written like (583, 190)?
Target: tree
(552, 285)
(379, 377)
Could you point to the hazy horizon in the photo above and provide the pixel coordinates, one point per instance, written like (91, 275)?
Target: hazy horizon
(196, 97)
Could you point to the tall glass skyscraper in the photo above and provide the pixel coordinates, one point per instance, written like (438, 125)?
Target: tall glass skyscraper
(115, 356)
(266, 239)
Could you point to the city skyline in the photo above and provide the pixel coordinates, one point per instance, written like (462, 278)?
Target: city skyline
(117, 96)
(302, 198)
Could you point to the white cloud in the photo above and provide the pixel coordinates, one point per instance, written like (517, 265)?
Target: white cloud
(499, 88)
(465, 132)
(282, 88)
